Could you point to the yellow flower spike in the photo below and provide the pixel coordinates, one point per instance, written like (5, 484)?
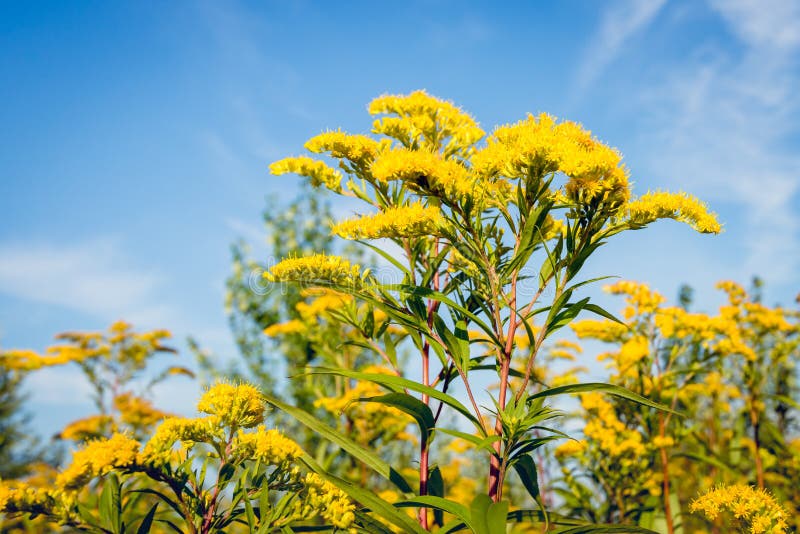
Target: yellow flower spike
(756, 506)
(91, 427)
(414, 220)
(419, 113)
(98, 458)
(359, 149)
(317, 171)
(316, 268)
(136, 411)
(328, 501)
(236, 405)
(679, 206)
(286, 328)
(268, 446)
(174, 429)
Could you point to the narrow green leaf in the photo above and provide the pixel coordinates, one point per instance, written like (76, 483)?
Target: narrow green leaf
(368, 457)
(414, 407)
(398, 383)
(147, 522)
(451, 507)
(526, 469)
(611, 389)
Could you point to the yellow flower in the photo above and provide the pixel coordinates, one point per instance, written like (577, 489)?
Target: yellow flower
(91, 427)
(174, 429)
(420, 115)
(359, 149)
(402, 221)
(269, 447)
(289, 327)
(317, 171)
(98, 458)
(236, 405)
(756, 506)
(679, 206)
(316, 268)
(325, 499)
(538, 145)
(136, 411)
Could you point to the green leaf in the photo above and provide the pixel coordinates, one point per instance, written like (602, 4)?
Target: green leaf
(611, 389)
(398, 383)
(496, 517)
(479, 442)
(368, 457)
(436, 489)
(478, 509)
(438, 503)
(147, 522)
(413, 407)
(594, 308)
(526, 469)
(110, 504)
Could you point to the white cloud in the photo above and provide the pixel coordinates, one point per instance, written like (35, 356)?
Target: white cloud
(619, 23)
(725, 119)
(93, 277)
(773, 23)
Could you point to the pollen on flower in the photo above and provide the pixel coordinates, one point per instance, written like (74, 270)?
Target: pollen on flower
(317, 171)
(420, 115)
(268, 446)
(403, 221)
(679, 206)
(359, 149)
(236, 405)
(98, 458)
(756, 506)
(158, 449)
(316, 268)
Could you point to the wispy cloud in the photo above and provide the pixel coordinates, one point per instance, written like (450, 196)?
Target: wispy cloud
(726, 121)
(620, 22)
(93, 277)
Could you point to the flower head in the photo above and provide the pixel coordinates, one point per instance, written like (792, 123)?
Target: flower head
(403, 221)
(236, 405)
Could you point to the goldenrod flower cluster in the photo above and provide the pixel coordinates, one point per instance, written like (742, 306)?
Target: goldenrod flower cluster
(413, 220)
(91, 427)
(137, 412)
(268, 446)
(236, 405)
(22, 497)
(98, 458)
(317, 171)
(316, 268)
(359, 149)
(158, 450)
(322, 498)
(679, 206)
(754, 507)
(539, 145)
(419, 115)
(640, 298)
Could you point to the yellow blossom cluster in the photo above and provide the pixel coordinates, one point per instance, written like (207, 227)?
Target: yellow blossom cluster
(268, 446)
(679, 206)
(158, 449)
(540, 145)
(358, 149)
(98, 458)
(608, 331)
(756, 507)
(18, 497)
(236, 405)
(413, 220)
(419, 116)
(640, 298)
(136, 411)
(322, 498)
(92, 427)
(316, 268)
(610, 434)
(317, 171)
(293, 326)
(323, 300)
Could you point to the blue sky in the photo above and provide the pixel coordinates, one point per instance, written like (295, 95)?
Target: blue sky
(136, 137)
